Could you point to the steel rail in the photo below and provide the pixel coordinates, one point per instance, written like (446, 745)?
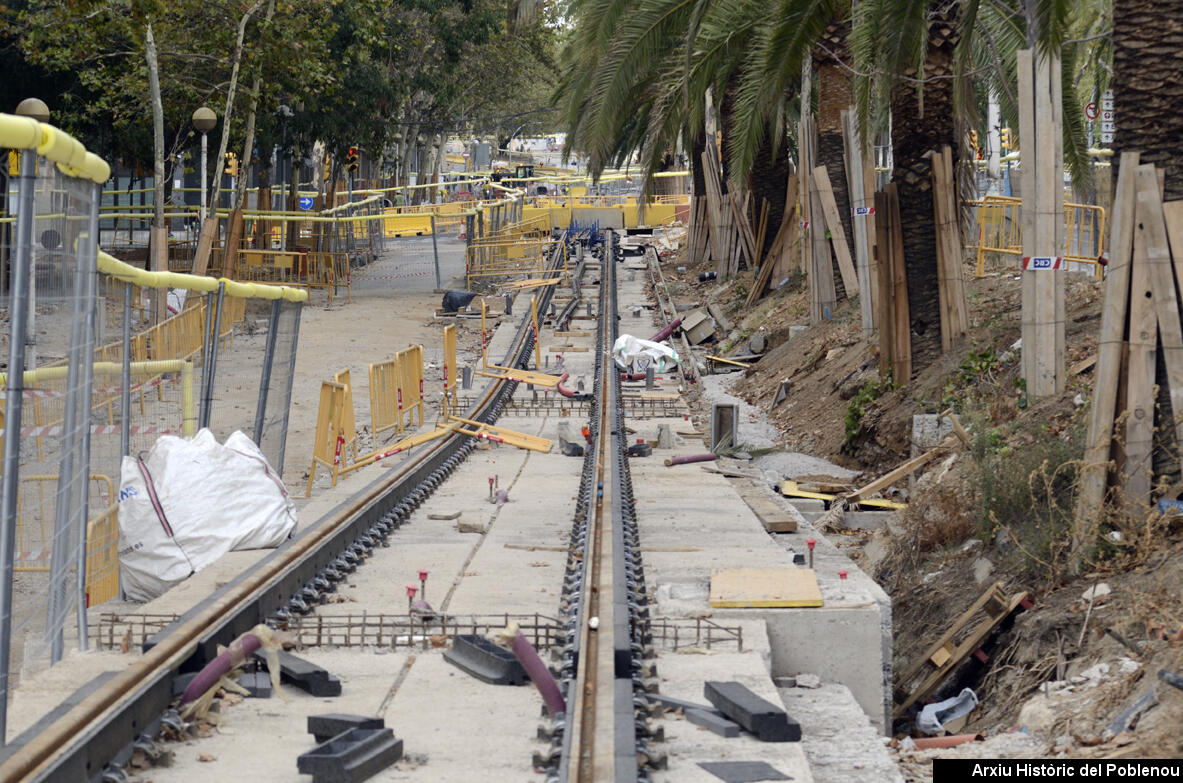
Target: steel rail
(604, 738)
(102, 720)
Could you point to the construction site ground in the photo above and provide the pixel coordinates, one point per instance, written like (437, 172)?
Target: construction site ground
(1049, 687)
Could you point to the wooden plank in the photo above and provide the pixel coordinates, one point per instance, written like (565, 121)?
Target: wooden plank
(774, 518)
(901, 330)
(761, 232)
(764, 588)
(950, 280)
(1173, 214)
(205, 246)
(1139, 424)
(859, 225)
(837, 233)
(976, 638)
(1099, 440)
(952, 630)
(883, 302)
(791, 489)
(1152, 234)
(898, 473)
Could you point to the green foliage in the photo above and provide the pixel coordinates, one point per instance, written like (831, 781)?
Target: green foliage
(976, 369)
(870, 391)
(1028, 493)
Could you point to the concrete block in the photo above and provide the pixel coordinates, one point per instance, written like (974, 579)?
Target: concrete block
(867, 520)
(807, 504)
(305, 675)
(258, 683)
(486, 661)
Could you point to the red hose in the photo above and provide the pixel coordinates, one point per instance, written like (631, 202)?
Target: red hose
(632, 376)
(563, 390)
(689, 458)
(238, 651)
(666, 332)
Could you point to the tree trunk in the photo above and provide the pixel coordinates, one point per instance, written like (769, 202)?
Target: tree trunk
(917, 129)
(1148, 85)
(697, 147)
(770, 173)
(224, 144)
(248, 144)
(159, 233)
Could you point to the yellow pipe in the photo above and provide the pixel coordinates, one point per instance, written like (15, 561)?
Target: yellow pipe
(145, 279)
(42, 374)
(188, 414)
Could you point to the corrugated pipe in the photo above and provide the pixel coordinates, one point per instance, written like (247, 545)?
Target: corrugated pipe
(563, 390)
(235, 655)
(541, 677)
(689, 458)
(666, 332)
(632, 376)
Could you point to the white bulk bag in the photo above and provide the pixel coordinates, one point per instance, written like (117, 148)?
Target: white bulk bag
(187, 502)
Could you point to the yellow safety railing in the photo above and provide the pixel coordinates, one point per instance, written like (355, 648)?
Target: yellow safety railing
(102, 557)
(510, 258)
(997, 228)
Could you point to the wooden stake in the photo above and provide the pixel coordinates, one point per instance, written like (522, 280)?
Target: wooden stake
(950, 280)
(859, 224)
(1043, 222)
(1139, 425)
(1099, 440)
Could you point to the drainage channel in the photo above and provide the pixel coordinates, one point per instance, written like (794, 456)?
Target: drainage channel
(604, 671)
(94, 732)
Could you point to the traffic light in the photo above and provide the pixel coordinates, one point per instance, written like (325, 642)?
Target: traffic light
(351, 159)
(231, 164)
(1005, 139)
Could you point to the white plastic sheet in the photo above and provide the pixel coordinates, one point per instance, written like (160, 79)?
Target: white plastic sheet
(933, 717)
(635, 355)
(188, 502)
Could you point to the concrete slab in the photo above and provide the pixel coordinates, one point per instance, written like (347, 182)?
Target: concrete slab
(840, 743)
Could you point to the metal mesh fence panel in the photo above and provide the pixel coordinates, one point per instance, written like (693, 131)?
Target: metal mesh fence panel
(53, 492)
(273, 406)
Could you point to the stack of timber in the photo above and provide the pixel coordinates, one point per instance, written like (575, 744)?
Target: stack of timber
(732, 242)
(860, 184)
(950, 274)
(837, 235)
(1141, 313)
(780, 252)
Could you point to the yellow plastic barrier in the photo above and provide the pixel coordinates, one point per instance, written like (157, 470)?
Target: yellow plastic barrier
(126, 272)
(34, 548)
(405, 225)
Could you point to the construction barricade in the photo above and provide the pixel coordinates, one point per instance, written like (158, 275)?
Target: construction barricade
(995, 226)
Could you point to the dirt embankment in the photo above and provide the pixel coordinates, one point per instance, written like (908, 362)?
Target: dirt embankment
(998, 509)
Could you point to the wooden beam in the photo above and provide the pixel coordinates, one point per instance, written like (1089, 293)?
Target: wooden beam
(859, 224)
(1043, 222)
(883, 302)
(950, 280)
(1139, 424)
(837, 233)
(900, 472)
(1099, 440)
(901, 331)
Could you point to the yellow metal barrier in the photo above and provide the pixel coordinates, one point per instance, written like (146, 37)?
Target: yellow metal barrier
(409, 368)
(348, 424)
(102, 557)
(525, 257)
(34, 547)
(383, 411)
(997, 228)
(326, 448)
(450, 371)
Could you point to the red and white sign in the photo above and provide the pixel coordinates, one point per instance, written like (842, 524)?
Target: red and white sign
(1042, 263)
(862, 211)
(1090, 110)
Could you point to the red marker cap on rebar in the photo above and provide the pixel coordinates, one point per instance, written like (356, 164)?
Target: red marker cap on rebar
(422, 574)
(841, 574)
(411, 590)
(811, 542)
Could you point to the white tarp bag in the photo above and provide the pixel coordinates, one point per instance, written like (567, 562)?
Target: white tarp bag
(933, 717)
(188, 502)
(635, 354)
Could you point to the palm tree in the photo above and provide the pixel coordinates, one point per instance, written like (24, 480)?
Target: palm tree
(1148, 82)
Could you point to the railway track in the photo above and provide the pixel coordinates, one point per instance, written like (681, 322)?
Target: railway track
(603, 671)
(94, 732)
(604, 736)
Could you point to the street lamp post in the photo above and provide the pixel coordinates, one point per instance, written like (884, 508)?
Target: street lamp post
(204, 121)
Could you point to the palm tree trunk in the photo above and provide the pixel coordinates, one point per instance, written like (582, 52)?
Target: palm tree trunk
(1148, 85)
(917, 129)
